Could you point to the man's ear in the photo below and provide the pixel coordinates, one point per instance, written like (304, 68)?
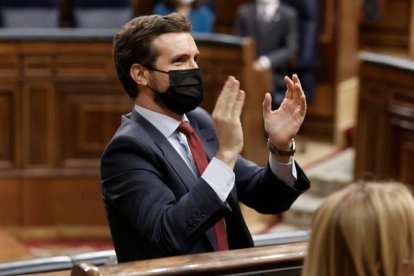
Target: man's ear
(138, 74)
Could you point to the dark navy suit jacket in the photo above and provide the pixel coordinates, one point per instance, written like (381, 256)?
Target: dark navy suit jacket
(155, 205)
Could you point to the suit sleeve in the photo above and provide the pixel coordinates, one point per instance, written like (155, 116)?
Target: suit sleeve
(261, 190)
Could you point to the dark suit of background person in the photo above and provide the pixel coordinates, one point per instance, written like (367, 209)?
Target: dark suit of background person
(156, 205)
(307, 61)
(276, 38)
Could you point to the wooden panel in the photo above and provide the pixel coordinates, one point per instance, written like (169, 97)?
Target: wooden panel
(216, 64)
(8, 94)
(10, 202)
(385, 132)
(407, 159)
(38, 124)
(370, 141)
(91, 113)
(393, 32)
(62, 201)
(225, 16)
(9, 66)
(38, 66)
(346, 109)
(347, 42)
(90, 66)
(402, 149)
(403, 98)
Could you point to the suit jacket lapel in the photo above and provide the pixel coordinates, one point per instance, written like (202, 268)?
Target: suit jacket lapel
(170, 154)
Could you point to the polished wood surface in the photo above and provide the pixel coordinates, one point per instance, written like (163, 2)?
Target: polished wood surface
(287, 257)
(385, 130)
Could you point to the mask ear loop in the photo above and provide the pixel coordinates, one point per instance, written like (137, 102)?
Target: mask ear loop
(153, 69)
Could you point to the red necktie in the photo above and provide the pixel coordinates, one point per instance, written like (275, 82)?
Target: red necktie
(201, 162)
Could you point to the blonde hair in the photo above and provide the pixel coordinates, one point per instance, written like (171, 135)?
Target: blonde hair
(363, 229)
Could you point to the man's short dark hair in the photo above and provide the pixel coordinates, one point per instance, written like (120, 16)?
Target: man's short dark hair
(133, 44)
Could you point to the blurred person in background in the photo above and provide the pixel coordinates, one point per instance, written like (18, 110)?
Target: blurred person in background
(273, 25)
(307, 60)
(198, 13)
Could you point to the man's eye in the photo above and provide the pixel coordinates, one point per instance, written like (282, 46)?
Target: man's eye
(179, 60)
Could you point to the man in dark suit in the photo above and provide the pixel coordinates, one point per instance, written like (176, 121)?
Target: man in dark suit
(307, 60)
(273, 25)
(159, 202)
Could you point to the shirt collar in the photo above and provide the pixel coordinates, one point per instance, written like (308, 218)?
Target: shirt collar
(267, 9)
(165, 124)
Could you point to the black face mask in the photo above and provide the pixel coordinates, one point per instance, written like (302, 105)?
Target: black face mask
(185, 92)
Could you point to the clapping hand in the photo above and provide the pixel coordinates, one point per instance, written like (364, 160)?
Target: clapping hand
(227, 123)
(283, 123)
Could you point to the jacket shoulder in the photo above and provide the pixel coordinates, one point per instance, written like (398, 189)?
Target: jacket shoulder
(201, 116)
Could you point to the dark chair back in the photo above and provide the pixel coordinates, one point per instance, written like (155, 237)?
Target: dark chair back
(30, 13)
(101, 13)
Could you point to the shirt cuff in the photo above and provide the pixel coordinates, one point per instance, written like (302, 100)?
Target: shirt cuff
(264, 61)
(285, 172)
(219, 177)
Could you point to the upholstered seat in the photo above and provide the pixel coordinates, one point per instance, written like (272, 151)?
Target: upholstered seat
(30, 13)
(101, 13)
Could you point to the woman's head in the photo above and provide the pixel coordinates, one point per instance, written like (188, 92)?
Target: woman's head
(364, 229)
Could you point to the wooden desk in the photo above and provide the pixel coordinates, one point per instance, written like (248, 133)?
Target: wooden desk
(385, 130)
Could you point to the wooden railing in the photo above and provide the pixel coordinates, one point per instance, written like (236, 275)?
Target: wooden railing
(88, 262)
(286, 258)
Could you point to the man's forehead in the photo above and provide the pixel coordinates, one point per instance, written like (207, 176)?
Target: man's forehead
(175, 42)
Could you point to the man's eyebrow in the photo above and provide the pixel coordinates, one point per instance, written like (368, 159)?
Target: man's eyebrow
(184, 55)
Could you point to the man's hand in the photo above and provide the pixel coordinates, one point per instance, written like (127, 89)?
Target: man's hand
(283, 124)
(226, 117)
